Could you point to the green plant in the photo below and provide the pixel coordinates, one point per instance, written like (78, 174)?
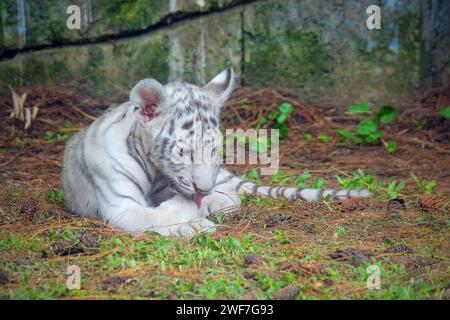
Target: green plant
(361, 180)
(367, 130)
(386, 114)
(341, 230)
(281, 178)
(301, 180)
(445, 111)
(391, 146)
(319, 183)
(418, 124)
(281, 237)
(67, 124)
(359, 108)
(55, 196)
(277, 119)
(18, 141)
(424, 186)
(358, 180)
(49, 135)
(253, 175)
(323, 137)
(60, 136)
(394, 189)
(307, 136)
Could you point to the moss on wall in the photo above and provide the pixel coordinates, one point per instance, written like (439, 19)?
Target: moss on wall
(132, 15)
(289, 59)
(322, 48)
(46, 19)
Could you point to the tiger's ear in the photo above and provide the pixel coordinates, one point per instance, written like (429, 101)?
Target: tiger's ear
(220, 87)
(148, 95)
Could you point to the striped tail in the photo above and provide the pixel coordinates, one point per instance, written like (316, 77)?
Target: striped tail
(245, 187)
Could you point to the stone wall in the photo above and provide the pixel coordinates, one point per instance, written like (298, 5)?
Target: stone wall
(436, 41)
(321, 48)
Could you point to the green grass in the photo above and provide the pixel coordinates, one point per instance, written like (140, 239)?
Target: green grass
(216, 267)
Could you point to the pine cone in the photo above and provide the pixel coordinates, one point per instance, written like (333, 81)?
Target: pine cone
(288, 293)
(29, 208)
(433, 203)
(352, 205)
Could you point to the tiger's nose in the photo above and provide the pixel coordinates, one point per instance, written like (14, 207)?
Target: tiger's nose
(203, 192)
(204, 178)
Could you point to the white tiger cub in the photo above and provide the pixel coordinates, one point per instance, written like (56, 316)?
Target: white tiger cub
(132, 169)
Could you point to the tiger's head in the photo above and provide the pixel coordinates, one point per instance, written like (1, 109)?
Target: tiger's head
(181, 122)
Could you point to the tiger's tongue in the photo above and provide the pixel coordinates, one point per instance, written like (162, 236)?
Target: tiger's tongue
(199, 200)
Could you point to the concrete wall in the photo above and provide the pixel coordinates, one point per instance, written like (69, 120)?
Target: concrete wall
(436, 42)
(321, 48)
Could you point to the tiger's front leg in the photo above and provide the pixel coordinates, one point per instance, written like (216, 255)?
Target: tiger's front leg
(174, 217)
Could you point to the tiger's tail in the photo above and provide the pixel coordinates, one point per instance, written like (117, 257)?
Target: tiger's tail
(245, 187)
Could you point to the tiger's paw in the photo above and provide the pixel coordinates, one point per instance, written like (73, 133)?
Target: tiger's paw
(188, 229)
(195, 227)
(217, 202)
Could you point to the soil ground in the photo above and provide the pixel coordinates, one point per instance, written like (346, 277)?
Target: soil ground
(265, 250)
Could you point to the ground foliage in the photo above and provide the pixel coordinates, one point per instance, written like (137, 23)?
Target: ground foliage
(267, 249)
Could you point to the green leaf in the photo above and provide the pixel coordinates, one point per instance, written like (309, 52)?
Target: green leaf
(286, 107)
(391, 146)
(244, 198)
(357, 139)
(445, 112)
(301, 179)
(416, 179)
(284, 130)
(49, 135)
(68, 123)
(62, 136)
(272, 115)
(281, 177)
(401, 185)
(346, 134)
(262, 122)
(233, 242)
(373, 137)
(323, 137)
(425, 187)
(282, 117)
(253, 176)
(307, 136)
(319, 183)
(418, 124)
(386, 114)
(359, 108)
(429, 186)
(341, 230)
(391, 186)
(366, 126)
